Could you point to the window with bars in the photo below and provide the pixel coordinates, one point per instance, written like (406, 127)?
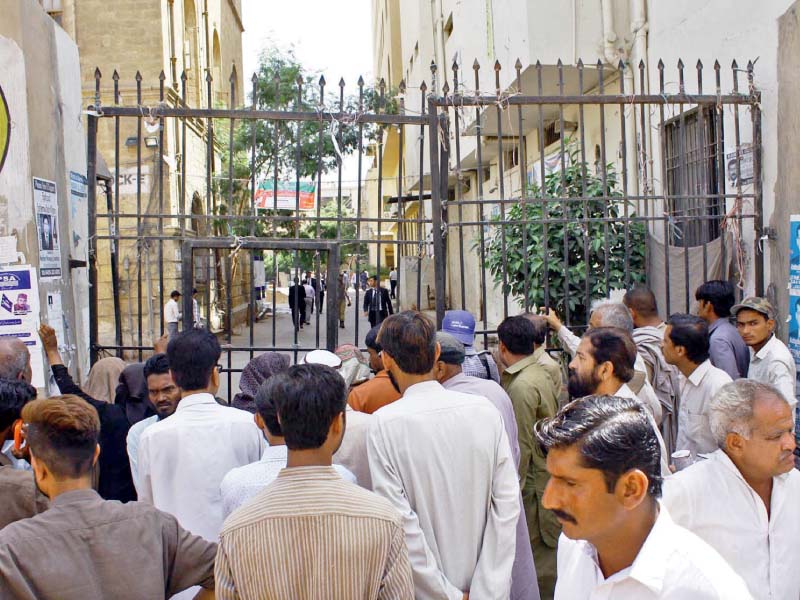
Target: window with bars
(694, 179)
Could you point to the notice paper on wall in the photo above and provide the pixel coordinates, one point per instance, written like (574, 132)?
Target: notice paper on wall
(45, 202)
(19, 314)
(8, 249)
(55, 318)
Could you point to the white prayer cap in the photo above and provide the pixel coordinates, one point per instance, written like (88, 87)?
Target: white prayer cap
(322, 357)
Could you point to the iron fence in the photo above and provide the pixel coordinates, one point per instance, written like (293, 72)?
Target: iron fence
(551, 191)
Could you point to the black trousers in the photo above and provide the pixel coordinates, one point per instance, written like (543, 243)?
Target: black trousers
(377, 317)
(393, 285)
(299, 315)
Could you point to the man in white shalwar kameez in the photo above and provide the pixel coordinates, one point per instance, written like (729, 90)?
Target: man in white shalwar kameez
(443, 459)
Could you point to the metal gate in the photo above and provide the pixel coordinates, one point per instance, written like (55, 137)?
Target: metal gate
(561, 185)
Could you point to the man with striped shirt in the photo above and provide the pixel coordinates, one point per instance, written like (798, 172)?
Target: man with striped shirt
(310, 534)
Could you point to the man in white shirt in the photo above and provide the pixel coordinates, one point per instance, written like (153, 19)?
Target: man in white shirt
(183, 459)
(612, 314)
(603, 366)
(744, 499)
(163, 394)
(770, 359)
(241, 484)
(618, 541)
(172, 313)
(443, 459)
(310, 296)
(686, 346)
(393, 283)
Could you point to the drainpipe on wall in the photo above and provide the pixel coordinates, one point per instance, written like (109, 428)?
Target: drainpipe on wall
(639, 30)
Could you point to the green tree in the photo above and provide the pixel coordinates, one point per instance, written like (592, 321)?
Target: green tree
(595, 232)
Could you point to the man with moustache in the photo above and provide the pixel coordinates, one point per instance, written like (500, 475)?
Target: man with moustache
(443, 459)
(743, 500)
(618, 541)
(163, 394)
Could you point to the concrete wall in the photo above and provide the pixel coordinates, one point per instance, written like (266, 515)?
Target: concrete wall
(38, 73)
(788, 140)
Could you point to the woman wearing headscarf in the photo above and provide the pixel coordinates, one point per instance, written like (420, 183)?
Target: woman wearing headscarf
(257, 371)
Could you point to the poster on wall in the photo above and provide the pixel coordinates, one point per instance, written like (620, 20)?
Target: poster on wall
(794, 291)
(79, 202)
(19, 313)
(288, 196)
(45, 203)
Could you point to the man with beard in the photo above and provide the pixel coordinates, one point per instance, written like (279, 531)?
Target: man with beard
(163, 394)
(603, 366)
(74, 549)
(618, 541)
(743, 499)
(443, 459)
(534, 396)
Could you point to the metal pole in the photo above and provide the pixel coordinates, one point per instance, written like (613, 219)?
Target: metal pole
(92, 208)
(436, 210)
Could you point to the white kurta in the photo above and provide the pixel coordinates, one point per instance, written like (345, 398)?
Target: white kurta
(697, 390)
(443, 459)
(712, 499)
(183, 459)
(672, 564)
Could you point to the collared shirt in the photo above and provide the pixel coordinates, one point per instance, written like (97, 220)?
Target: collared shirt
(672, 564)
(312, 535)
(443, 460)
(774, 364)
(713, 500)
(697, 390)
(19, 496)
(242, 484)
(646, 393)
(172, 313)
(392, 275)
(727, 349)
(87, 548)
(7, 457)
(523, 575)
(373, 394)
(627, 392)
(132, 442)
(352, 454)
(183, 459)
(480, 364)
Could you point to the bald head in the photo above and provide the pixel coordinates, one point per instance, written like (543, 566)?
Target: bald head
(15, 360)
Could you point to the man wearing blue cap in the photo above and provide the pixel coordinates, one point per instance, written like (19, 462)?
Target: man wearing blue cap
(461, 325)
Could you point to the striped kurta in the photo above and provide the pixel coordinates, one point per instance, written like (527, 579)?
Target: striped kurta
(310, 534)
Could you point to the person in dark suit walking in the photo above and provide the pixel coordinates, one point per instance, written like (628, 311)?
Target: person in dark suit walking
(297, 303)
(377, 303)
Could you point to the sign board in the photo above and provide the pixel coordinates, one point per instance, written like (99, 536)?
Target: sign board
(19, 314)
(745, 165)
(45, 203)
(286, 196)
(794, 289)
(128, 178)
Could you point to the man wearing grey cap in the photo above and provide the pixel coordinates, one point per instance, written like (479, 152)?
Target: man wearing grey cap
(770, 359)
(449, 373)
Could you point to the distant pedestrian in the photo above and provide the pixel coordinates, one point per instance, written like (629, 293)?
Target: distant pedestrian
(172, 313)
(310, 295)
(297, 303)
(393, 282)
(196, 322)
(364, 277)
(344, 299)
(377, 304)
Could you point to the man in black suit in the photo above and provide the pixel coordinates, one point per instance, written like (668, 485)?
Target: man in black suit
(377, 303)
(297, 303)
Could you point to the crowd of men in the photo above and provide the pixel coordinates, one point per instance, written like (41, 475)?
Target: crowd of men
(661, 466)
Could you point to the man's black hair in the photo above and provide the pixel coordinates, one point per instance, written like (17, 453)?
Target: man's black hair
(308, 398)
(192, 356)
(158, 364)
(691, 332)
(265, 405)
(518, 335)
(371, 341)
(612, 435)
(174, 294)
(614, 345)
(409, 338)
(720, 294)
(14, 394)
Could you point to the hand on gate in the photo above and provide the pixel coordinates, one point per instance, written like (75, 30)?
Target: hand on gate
(552, 318)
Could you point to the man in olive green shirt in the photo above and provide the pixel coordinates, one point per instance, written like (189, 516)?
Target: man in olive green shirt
(534, 396)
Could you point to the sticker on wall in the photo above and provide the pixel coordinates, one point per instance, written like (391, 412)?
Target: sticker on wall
(5, 128)
(45, 202)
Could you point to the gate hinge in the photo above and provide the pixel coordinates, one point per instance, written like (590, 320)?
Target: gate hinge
(771, 233)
